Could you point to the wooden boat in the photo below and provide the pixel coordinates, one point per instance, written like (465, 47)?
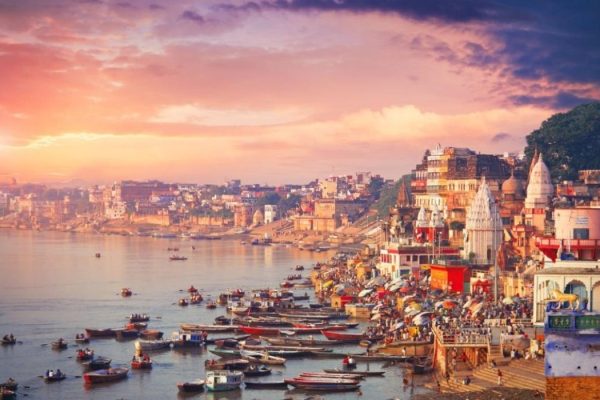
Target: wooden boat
(151, 345)
(97, 364)
(300, 342)
(260, 331)
(229, 364)
(139, 318)
(100, 333)
(302, 349)
(227, 340)
(226, 353)
(211, 305)
(84, 355)
(192, 289)
(140, 326)
(177, 258)
(81, 339)
(55, 377)
(7, 394)
(196, 298)
(299, 268)
(218, 381)
(183, 302)
(151, 334)
(319, 327)
(286, 284)
(187, 339)
(126, 292)
(331, 354)
(307, 316)
(262, 357)
(125, 334)
(379, 357)
(253, 371)
(331, 375)
(105, 375)
(141, 363)
(422, 367)
(7, 341)
(10, 384)
(343, 337)
(194, 386)
(59, 345)
(322, 386)
(301, 297)
(266, 385)
(354, 372)
(207, 328)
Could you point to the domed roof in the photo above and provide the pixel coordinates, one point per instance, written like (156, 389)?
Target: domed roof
(514, 187)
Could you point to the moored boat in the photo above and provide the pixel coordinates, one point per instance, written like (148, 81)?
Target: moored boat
(266, 385)
(342, 336)
(228, 364)
(151, 334)
(223, 380)
(354, 372)
(125, 334)
(254, 370)
(262, 357)
(105, 375)
(177, 258)
(194, 386)
(143, 362)
(97, 364)
(150, 345)
(207, 328)
(100, 333)
(60, 344)
(188, 339)
(323, 385)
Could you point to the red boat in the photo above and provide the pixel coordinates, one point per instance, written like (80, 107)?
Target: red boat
(260, 331)
(286, 284)
(270, 331)
(344, 337)
(105, 375)
(141, 363)
(320, 327)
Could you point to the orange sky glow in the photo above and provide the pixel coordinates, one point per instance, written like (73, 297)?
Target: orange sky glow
(98, 91)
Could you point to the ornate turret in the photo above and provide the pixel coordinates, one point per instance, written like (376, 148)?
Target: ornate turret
(483, 228)
(540, 189)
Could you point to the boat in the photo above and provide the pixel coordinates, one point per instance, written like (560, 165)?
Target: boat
(150, 345)
(151, 334)
(227, 341)
(183, 302)
(343, 337)
(84, 354)
(188, 339)
(80, 338)
(100, 333)
(139, 318)
(299, 268)
(323, 385)
(306, 315)
(354, 372)
(331, 375)
(262, 357)
(98, 255)
(54, 376)
(266, 385)
(286, 284)
(300, 342)
(226, 353)
(211, 305)
(422, 367)
(143, 362)
(207, 328)
(223, 380)
(196, 298)
(379, 357)
(253, 371)
(10, 384)
(301, 349)
(124, 334)
(98, 363)
(140, 326)
(8, 340)
(228, 364)
(301, 297)
(240, 310)
(7, 394)
(194, 386)
(105, 375)
(192, 289)
(126, 292)
(59, 345)
(177, 258)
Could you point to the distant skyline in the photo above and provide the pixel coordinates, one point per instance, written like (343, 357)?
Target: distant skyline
(279, 91)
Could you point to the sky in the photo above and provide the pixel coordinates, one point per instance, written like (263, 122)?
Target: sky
(279, 91)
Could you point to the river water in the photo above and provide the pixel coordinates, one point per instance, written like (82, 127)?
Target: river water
(52, 286)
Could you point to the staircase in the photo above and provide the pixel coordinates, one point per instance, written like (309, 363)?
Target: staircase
(494, 353)
(523, 374)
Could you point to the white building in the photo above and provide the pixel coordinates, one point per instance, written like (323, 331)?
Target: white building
(116, 210)
(483, 228)
(270, 213)
(540, 189)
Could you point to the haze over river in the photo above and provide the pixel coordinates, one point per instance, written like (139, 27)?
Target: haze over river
(52, 286)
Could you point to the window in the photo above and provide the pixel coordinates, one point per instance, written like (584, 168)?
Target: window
(581, 233)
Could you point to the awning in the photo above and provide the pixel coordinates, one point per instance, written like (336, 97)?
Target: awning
(365, 292)
(327, 284)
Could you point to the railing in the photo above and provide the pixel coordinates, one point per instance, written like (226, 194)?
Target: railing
(525, 322)
(462, 338)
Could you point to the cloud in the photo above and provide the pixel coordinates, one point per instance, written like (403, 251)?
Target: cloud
(561, 100)
(500, 137)
(196, 115)
(192, 16)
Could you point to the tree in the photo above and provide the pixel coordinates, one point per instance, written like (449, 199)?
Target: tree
(569, 142)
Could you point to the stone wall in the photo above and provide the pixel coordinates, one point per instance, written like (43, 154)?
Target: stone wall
(580, 388)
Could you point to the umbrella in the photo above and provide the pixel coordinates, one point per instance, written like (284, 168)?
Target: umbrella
(468, 303)
(327, 284)
(365, 292)
(449, 304)
(376, 317)
(412, 313)
(439, 304)
(476, 308)
(507, 301)
(404, 289)
(394, 287)
(398, 325)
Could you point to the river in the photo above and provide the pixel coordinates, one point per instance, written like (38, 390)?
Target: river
(52, 286)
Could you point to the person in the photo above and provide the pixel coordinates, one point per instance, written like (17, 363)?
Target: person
(51, 373)
(58, 373)
(493, 364)
(467, 380)
(5, 337)
(500, 382)
(47, 372)
(513, 354)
